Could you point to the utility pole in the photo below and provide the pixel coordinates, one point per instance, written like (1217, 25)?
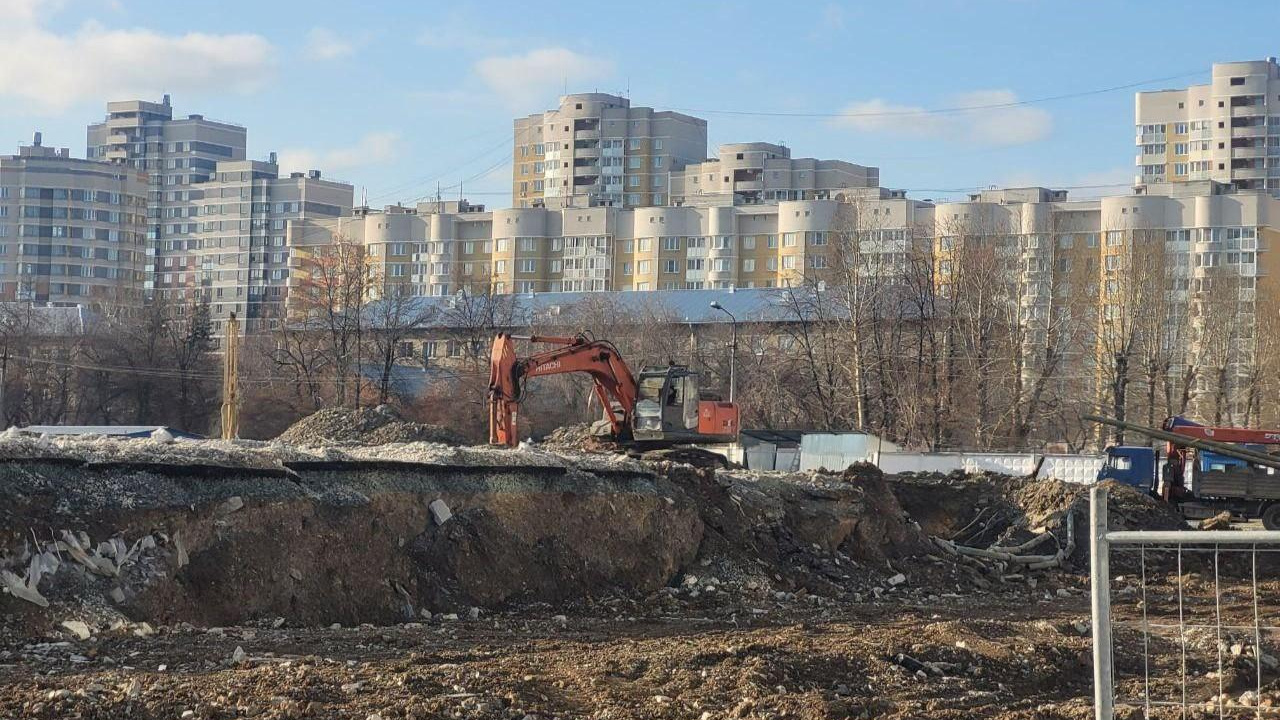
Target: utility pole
(230, 381)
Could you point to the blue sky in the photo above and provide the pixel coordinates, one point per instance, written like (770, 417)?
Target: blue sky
(397, 97)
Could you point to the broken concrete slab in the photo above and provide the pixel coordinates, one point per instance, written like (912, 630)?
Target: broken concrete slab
(440, 511)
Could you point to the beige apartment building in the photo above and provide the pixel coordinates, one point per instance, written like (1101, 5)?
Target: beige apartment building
(72, 231)
(755, 173)
(443, 248)
(1174, 277)
(1227, 130)
(595, 150)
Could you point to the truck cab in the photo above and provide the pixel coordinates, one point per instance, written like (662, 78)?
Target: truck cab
(1132, 465)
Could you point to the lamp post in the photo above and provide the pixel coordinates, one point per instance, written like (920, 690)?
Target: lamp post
(733, 349)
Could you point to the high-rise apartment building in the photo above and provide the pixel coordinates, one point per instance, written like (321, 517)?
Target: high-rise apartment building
(175, 154)
(1227, 130)
(215, 220)
(72, 231)
(237, 258)
(597, 150)
(757, 172)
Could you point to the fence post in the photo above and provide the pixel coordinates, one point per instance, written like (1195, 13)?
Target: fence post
(1100, 588)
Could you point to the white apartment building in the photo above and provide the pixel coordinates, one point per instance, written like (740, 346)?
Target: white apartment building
(596, 150)
(1227, 130)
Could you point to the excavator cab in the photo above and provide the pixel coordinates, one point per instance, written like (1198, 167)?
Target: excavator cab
(671, 407)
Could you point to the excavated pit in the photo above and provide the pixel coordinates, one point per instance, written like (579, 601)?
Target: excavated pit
(357, 544)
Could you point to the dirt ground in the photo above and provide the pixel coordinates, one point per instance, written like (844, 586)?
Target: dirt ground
(955, 660)
(578, 587)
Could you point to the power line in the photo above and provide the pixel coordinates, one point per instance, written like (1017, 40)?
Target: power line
(942, 110)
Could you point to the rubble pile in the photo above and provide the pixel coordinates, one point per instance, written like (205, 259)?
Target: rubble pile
(577, 438)
(367, 426)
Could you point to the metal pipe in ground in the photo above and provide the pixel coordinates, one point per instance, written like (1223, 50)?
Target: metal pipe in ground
(1100, 593)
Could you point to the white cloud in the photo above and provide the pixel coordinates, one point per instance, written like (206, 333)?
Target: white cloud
(526, 81)
(996, 119)
(880, 116)
(452, 34)
(372, 149)
(53, 71)
(325, 44)
(24, 12)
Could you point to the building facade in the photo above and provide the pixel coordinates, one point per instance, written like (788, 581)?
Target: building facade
(597, 150)
(756, 173)
(237, 258)
(72, 231)
(1227, 131)
(176, 154)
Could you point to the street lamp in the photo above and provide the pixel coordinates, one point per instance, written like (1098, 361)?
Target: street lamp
(733, 350)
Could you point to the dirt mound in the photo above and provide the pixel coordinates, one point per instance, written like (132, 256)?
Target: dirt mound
(830, 535)
(379, 425)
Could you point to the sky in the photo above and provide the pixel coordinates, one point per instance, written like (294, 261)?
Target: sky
(400, 98)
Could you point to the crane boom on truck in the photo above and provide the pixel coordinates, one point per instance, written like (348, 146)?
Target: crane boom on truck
(661, 408)
(1201, 476)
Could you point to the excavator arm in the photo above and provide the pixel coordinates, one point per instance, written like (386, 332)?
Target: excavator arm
(615, 386)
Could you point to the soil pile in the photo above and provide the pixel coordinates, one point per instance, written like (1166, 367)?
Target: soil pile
(379, 425)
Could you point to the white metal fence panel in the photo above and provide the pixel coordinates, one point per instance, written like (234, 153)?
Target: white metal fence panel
(1071, 468)
(903, 462)
(1185, 627)
(1006, 463)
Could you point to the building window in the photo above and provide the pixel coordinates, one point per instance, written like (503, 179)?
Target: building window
(670, 266)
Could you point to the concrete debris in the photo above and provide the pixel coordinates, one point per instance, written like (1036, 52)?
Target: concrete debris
(380, 425)
(161, 435)
(897, 579)
(440, 512)
(233, 503)
(78, 628)
(238, 656)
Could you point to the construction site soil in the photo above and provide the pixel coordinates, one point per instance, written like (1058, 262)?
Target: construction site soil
(203, 580)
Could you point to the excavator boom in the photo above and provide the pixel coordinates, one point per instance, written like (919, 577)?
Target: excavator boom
(615, 385)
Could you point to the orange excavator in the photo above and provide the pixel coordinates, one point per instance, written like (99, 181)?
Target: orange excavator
(663, 408)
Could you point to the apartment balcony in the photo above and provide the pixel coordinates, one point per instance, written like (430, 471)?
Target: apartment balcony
(1248, 110)
(116, 154)
(120, 123)
(1199, 175)
(1148, 138)
(587, 134)
(1248, 173)
(748, 186)
(1248, 152)
(1249, 131)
